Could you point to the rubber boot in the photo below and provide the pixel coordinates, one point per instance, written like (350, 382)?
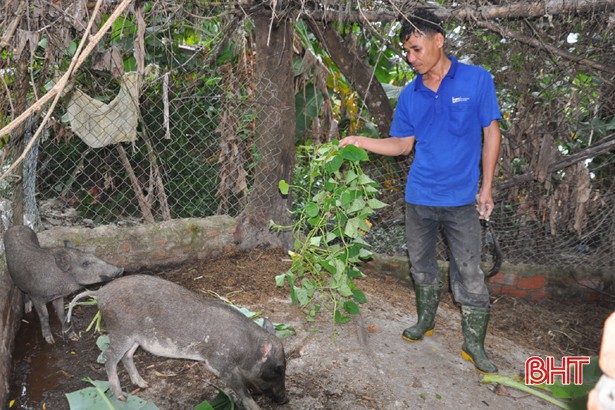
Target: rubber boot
(474, 326)
(427, 300)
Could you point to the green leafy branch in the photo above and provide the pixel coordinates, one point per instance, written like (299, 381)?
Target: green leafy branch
(565, 396)
(333, 202)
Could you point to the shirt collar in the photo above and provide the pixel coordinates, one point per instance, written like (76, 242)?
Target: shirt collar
(451, 73)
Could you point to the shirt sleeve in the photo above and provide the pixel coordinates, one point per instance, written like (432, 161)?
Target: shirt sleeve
(489, 109)
(402, 123)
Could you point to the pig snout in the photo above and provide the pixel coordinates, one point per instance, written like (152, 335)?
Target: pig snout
(115, 274)
(278, 392)
(279, 399)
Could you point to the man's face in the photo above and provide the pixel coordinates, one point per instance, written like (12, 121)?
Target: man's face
(423, 51)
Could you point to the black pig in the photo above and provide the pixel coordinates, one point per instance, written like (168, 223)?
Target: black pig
(48, 274)
(169, 320)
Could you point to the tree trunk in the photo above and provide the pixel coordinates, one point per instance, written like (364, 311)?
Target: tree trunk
(275, 137)
(471, 13)
(359, 73)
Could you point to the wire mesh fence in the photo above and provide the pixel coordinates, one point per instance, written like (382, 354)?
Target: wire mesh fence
(178, 163)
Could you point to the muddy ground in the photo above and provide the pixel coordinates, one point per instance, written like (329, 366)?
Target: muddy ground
(365, 366)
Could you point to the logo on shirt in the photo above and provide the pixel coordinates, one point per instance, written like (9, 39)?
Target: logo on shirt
(460, 99)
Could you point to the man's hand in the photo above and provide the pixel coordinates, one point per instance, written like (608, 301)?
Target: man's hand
(484, 204)
(352, 140)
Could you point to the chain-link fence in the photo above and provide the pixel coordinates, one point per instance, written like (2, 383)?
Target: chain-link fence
(179, 142)
(179, 161)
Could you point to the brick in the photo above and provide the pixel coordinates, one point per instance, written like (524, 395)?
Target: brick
(494, 289)
(506, 279)
(534, 282)
(514, 292)
(538, 294)
(126, 247)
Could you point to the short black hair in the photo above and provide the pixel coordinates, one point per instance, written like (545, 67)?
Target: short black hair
(422, 21)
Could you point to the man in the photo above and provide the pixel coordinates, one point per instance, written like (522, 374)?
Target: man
(450, 115)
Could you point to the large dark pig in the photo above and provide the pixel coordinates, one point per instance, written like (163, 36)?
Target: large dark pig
(48, 274)
(171, 321)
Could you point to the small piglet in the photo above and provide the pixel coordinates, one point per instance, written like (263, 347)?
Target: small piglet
(169, 320)
(48, 274)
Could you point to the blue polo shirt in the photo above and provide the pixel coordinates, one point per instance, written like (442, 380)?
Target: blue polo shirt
(447, 125)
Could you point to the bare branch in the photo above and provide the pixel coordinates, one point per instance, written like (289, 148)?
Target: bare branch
(565, 161)
(509, 11)
(57, 89)
(4, 41)
(539, 44)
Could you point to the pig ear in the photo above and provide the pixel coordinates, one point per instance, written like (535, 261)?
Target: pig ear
(68, 244)
(62, 260)
(268, 326)
(265, 351)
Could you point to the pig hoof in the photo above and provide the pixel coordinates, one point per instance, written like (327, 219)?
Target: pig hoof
(121, 397)
(50, 339)
(72, 336)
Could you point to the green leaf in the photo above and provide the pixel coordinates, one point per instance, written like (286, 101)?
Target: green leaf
(340, 318)
(330, 185)
(351, 229)
(354, 273)
(351, 307)
(283, 187)
(510, 381)
(247, 312)
(351, 176)
(352, 153)
(591, 374)
(333, 266)
(359, 296)
(344, 287)
(96, 398)
(375, 204)
(357, 206)
(311, 209)
(103, 344)
(315, 241)
(365, 254)
(365, 180)
(222, 401)
(348, 196)
(293, 296)
(314, 221)
(334, 164)
(282, 330)
(308, 285)
(302, 296)
(279, 279)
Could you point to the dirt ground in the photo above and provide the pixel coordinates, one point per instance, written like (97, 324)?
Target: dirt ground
(365, 366)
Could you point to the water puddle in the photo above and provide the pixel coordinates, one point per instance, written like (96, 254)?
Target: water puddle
(42, 373)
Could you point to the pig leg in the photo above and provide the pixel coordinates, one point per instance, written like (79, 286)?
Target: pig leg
(58, 306)
(43, 316)
(118, 348)
(129, 364)
(27, 304)
(237, 383)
